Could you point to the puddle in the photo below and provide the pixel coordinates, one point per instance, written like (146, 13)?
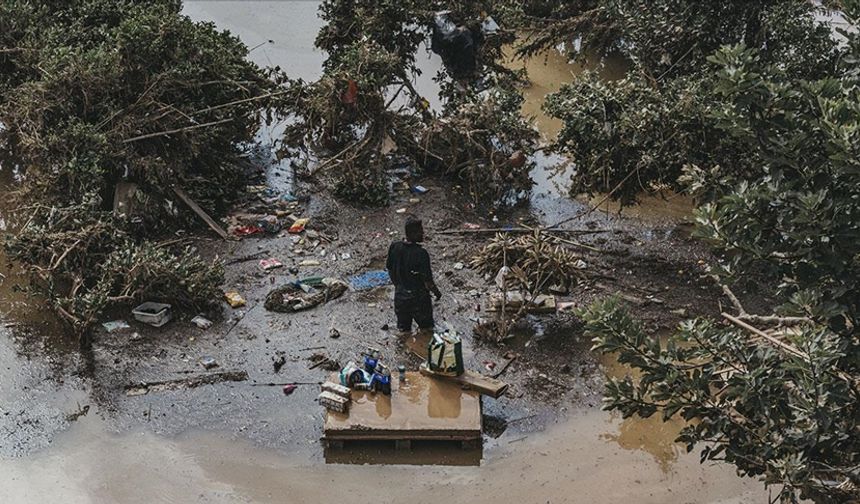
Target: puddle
(570, 462)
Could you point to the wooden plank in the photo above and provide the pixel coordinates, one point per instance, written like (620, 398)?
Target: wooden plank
(420, 408)
(473, 381)
(200, 212)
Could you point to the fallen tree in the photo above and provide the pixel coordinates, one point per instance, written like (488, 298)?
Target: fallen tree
(364, 116)
(96, 95)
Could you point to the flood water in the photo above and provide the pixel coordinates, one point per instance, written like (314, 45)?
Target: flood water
(587, 456)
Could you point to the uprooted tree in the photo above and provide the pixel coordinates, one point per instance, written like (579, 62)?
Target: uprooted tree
(364, 115)
(96, 94)
(769, 150)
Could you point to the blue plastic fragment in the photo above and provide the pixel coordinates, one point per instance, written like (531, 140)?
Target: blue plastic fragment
(370, 279)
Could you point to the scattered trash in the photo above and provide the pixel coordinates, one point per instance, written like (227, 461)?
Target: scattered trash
(324, 361)
(516, 300)
(278, 361)
(208, 362)
(290, 388)
(270, 264)
(415, 200)
(336, 389)
(115, 325)
(350, 95)
(489, 365)
(269, 224)
(309, 262)
(334, 402)
(292, 297)
(201, 322)
(234, 299)
(298, 226)
(154, 314)
(335, 397)
(247, 230)
(457, 45)
(458, 266)
(400, 211)
(420, 189)
(369, 280)
(566, 306)
(469, 225)
(333, 333)
(681, 312)
(346, 255)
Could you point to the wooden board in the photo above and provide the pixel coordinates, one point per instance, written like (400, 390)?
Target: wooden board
(201, 213)
(422, 408)
(473, 381)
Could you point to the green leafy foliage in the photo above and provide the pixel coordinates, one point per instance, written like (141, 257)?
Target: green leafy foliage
(94, 92)
(669, 38)
(790, 419)
(364, 115)
(770, 154)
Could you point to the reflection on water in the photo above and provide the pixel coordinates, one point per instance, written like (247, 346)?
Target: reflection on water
(440, 453)
(651, 435)
(550, 70)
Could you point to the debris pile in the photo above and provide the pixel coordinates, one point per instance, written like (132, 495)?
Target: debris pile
(304, 294)
(140, 120)
(532, 263)
(365, 120)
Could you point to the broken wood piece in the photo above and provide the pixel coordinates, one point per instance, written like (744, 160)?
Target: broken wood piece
(518, 230)
(472, 381)
(781, 344)
(506, 365)
(200, 212)
(143, 388)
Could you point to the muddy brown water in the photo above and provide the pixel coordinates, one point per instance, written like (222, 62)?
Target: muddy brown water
(235, 443)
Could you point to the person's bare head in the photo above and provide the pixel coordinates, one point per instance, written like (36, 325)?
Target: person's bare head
(414, 229)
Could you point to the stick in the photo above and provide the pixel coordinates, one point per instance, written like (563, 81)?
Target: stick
(237, 102)
(597, 205)
(283, 384)
(320, 363)
(178, 130)
(518, 230)
(200, 212)
(249, 257)
(505, 367)
(781, 344)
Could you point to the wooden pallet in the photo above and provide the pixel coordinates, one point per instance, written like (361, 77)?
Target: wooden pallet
(420, 409)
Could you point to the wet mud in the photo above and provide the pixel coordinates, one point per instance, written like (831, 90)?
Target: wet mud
(546, 440)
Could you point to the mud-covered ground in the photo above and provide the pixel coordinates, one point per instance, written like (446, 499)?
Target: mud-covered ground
(656, 268)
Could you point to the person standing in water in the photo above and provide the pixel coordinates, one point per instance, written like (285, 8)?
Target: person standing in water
(408, 266)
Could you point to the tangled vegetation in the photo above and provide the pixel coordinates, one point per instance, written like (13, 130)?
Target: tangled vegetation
(97, 94)
(364, 115)
(537, 262)
(760, 126)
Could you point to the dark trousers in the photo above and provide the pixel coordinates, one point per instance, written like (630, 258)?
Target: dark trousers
(409, 306)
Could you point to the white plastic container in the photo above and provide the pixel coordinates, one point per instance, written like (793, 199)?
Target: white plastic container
(154, 314)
